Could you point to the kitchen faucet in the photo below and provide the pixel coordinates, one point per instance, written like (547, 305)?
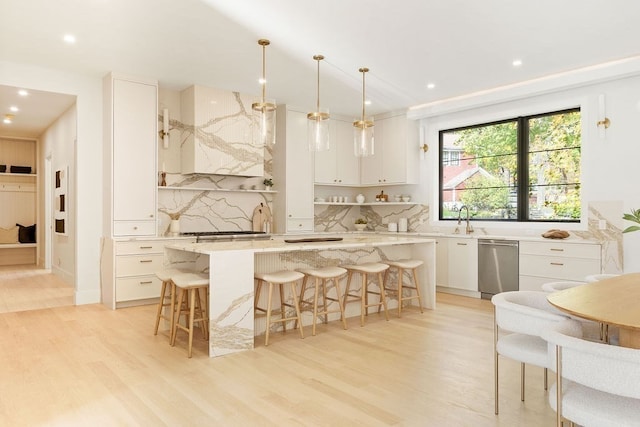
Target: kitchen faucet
(469, 228)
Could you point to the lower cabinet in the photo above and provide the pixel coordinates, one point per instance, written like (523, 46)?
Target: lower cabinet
(128, 271)
(457, 263)
(542, 262)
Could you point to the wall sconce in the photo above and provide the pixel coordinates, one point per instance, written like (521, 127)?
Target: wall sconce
(603, 122)
(423, 147)
(164, 133)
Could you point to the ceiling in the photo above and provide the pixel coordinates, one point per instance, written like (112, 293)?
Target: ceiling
(461, 46)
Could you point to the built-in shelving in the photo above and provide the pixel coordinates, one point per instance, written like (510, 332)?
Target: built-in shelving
(18, 174)
(366, 204)
(221, 190)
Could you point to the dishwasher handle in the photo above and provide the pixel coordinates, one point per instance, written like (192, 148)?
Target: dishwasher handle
(498, 243)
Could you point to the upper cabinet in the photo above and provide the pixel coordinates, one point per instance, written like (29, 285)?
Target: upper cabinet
(293, 203)
(131, 116)
(338, 165)
(217, 133)
(396, 153)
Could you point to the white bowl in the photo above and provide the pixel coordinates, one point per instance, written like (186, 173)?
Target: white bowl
(406, 198)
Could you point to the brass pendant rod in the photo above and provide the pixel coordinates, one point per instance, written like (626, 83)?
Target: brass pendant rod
(264, 43)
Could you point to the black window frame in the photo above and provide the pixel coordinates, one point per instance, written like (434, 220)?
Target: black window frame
(522, 183)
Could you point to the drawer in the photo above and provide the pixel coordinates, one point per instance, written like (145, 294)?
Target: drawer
(532, 283)
(300, 224)
(134, 228)
(134, 288)
(569, 250)
(140, 247)
(560, 268)
(138, 265)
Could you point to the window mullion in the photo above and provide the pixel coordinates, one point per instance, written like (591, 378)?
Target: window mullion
(523, 169)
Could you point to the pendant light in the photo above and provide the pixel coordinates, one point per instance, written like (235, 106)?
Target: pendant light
(363, 128)
(264, 112)
(318, 123)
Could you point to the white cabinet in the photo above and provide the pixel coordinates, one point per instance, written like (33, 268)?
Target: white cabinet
(463, 264)
(131, 117)
(442, 261)
(128, 271)
(457, 263)
(338, 165)
(293, 173)
(396, 153)
(217, 136)
(542, 262)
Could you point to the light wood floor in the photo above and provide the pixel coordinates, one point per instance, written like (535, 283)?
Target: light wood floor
(25, 287)
(90, 366)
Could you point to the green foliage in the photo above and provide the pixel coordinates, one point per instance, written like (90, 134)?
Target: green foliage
(361, 221)
(554, 165)
(634, 216)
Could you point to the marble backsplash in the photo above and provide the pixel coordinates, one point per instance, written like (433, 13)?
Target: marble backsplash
(604, 225)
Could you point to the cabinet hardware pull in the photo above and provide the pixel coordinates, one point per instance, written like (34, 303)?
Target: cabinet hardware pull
(557, 249)
(557, 263)
(146, 282)
(146, 260)
(146, 247)
(461, 244)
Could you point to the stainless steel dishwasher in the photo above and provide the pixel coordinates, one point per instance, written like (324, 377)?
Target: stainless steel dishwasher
(497, 266)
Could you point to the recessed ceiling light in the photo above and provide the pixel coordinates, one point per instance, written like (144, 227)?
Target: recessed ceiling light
(430, 85)
(367, 102)
(69, 38)
(23, 92)
(8, 118)
(516, 62)
(14, 109)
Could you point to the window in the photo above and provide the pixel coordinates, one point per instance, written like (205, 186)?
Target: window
(522, 169)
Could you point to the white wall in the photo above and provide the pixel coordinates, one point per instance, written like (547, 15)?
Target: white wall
(87, 167)
(58, 143)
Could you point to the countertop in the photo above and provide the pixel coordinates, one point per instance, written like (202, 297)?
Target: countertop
(277, 243)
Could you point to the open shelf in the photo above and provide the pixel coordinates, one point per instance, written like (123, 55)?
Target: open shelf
(220, 190)
(366, 203)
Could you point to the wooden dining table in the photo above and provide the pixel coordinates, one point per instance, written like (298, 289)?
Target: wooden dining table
(614, 301)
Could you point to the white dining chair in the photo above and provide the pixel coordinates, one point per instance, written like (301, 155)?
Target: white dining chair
(520, 317)
(596, 277)
(596, 384)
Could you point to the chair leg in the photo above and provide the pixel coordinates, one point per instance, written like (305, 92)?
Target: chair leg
(283, 307)
(343, 318)
(192, 312)
(400, 280)
(268, 326)
(363, 299)
(315, 305)
(417, 285)
(546, 381)
(495, 361)
(181, 301)
(383, 299)
(522, 381)
(163, 290)
(297, 306)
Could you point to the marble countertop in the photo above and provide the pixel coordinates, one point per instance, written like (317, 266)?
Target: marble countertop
(278, 244)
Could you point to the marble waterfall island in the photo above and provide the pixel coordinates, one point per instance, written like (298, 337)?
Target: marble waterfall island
(231, 266)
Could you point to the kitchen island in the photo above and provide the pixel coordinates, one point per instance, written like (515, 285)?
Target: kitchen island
(231, 266)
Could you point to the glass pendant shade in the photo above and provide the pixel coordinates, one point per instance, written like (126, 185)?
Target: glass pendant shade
(318, 131)
(318, 121)
(363, 142)
(264, 111)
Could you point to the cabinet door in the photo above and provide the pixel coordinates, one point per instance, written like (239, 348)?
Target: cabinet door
(134, 147)
(325, 161)
(394, 150)
(463, 264)
(299, 167)
(347, 164)
(442, 261)
(371, 166)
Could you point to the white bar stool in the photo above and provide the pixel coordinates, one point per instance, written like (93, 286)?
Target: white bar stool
(167, 298)
(321, 277)
(279, 278)
(188, 286)
(410, 266)
(375, 269)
